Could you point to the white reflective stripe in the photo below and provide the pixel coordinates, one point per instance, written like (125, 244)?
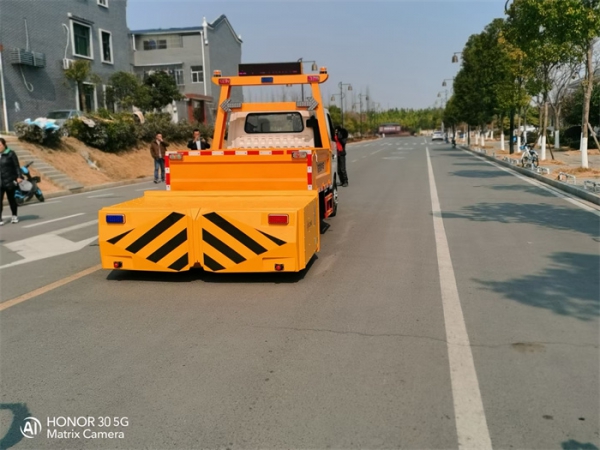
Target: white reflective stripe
(167, 170)
(217, 153)
(241, 152)
(310, 187)
(265, 152)
(309, 169)
(194, 153)
(168, 187)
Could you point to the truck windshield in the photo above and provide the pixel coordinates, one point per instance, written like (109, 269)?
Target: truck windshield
(288, 122)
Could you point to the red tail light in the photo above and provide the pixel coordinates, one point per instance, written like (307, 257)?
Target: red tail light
(278, 267)
(117, 264)
(279, 219)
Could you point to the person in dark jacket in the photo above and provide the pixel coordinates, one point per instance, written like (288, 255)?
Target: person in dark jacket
(158, 150)
(198, 143)
(10, 176)
(341, 136)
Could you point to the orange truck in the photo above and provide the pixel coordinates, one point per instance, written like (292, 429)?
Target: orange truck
(255, 202)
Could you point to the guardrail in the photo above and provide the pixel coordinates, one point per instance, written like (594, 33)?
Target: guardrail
(590, 185)
(567, 178)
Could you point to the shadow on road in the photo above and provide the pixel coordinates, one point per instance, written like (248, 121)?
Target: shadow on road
(542, 214)
(13, 436)
(522, 188)
(569, 286)
(480, 173)
(211, 277)
(574, 445)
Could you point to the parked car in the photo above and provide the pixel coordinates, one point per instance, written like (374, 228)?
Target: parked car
(60, 116)
(437, 136)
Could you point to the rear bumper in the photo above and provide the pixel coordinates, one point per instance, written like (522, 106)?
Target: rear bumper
(218, 232)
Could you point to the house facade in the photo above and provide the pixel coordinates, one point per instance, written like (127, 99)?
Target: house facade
(40, 39)
(190, 55)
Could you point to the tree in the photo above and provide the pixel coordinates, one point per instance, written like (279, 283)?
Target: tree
(81, 72)
(162, 90)
(124, 88)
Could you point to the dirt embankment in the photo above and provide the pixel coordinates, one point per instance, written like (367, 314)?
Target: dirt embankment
(71, 159)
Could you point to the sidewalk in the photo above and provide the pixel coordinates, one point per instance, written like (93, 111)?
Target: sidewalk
(564, 172)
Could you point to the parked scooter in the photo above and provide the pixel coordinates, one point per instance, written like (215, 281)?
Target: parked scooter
(530, 156)
(453, 142)
(27, 188)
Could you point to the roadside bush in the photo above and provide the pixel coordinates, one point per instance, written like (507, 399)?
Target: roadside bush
(37, 135)
(571, 137)
(104, 134)
(162, 123)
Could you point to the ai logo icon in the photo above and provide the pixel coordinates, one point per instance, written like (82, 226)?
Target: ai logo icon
(31, 428)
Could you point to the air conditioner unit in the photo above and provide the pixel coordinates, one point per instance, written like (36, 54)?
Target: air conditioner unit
(67, 63)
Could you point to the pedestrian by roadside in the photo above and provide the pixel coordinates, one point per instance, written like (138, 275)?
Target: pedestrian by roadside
(10, 177)
(341, 137)
(158, 149)
(198, 143)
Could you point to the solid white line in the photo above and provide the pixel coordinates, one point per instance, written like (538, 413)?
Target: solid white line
(53, 220)
(354, 160)
(110, 194)
(471, 424)
(149, 189)
(539, 184)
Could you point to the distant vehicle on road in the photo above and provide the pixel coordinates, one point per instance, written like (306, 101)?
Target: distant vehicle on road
(437, 136)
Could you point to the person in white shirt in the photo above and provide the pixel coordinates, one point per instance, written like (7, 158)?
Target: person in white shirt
(198, 143)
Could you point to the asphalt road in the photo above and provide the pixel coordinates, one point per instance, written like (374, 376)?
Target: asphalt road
(452, 304)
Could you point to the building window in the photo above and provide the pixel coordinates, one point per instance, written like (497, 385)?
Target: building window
(150, 44)
(82, 40)
(89, 97)
(178, 73)
(197, 74)
(106, 46)
(162, 44)
(103, 3)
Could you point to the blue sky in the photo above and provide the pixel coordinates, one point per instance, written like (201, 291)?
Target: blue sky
(400, 50)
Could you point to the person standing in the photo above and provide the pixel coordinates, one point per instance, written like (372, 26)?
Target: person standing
(198, 143)
(10, 177)
(341, 137)
(158, 149)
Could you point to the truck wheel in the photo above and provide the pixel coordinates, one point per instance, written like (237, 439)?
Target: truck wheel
(335, 199)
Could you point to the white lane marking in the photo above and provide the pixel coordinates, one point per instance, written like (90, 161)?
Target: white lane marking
(110, 188)
(541, 185)
(376, 151)
(149, 189)
(354, 160)
(363, 157)
(48, 245)
(471, 424)
(75, 227)
(53, 220)
(110, 194)
(30, 205)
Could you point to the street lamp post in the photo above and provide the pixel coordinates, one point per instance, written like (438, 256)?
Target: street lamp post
(313, 68)
(444, 84)
(341, 94)
(360, 96)
(454, 57)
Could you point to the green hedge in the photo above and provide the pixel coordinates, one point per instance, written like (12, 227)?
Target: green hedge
(33, 133)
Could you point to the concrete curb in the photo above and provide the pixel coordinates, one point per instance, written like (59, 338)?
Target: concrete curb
(585, 195)
(97, 187)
